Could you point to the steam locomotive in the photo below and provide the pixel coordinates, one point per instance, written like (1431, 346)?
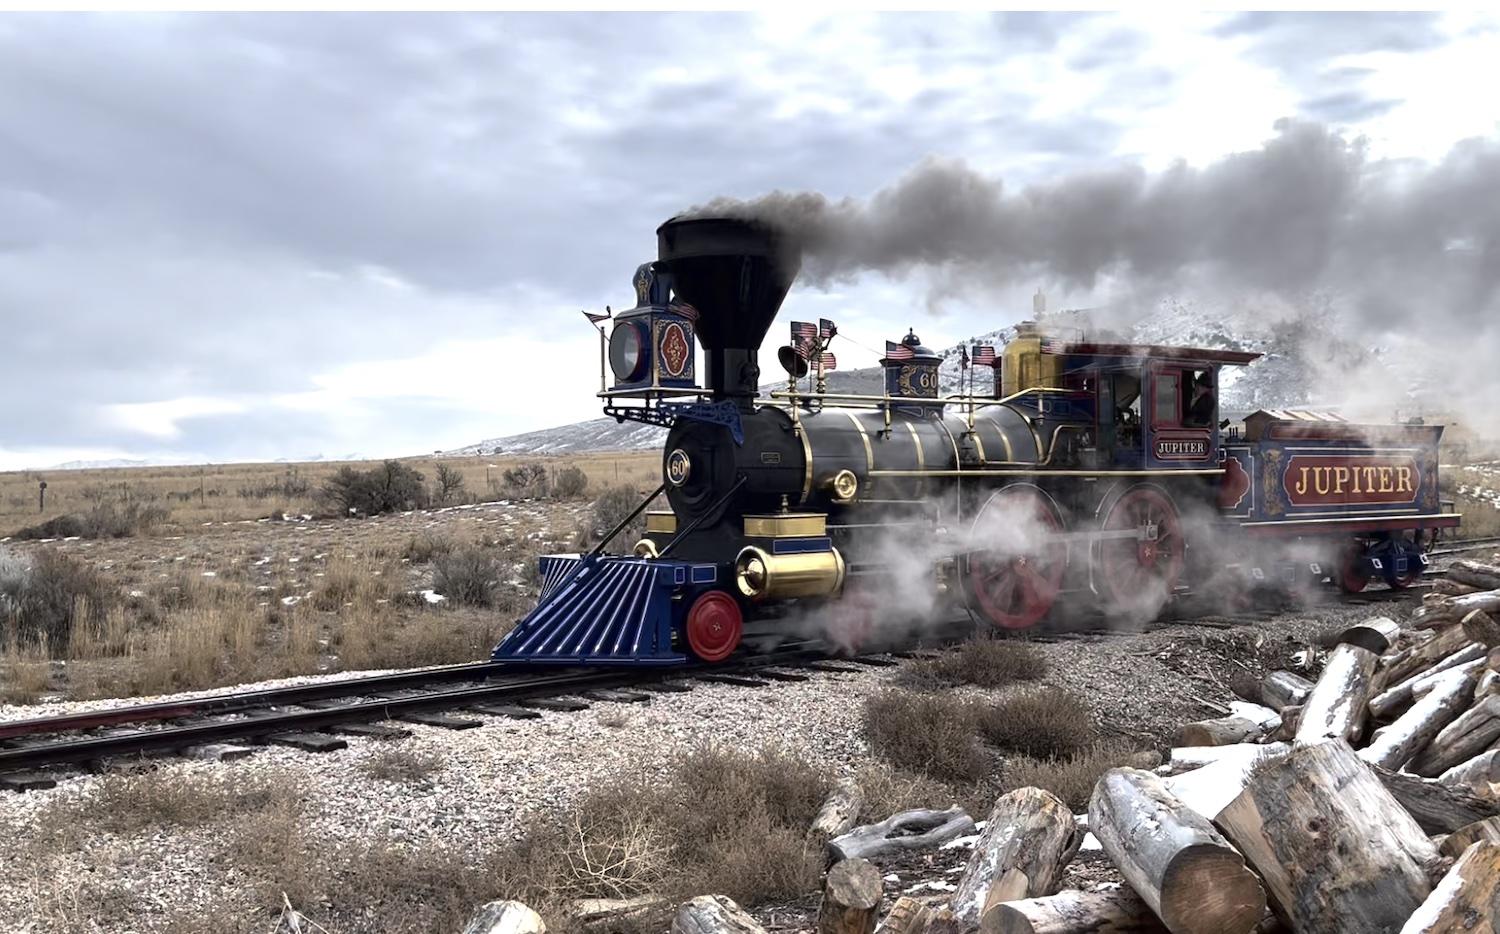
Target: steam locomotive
(1083, 472)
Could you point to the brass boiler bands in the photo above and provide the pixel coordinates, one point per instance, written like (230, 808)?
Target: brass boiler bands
(858, 442)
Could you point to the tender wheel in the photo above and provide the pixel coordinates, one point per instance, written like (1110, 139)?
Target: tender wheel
(1015, 583)
(714, 626)
(1348, 575)
(1414, 567)
(1147, 566)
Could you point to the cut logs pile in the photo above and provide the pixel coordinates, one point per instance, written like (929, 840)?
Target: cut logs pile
(1365, 801)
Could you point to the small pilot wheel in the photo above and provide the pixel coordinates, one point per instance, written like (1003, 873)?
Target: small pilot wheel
(1014, 582)
(1144, 566)
(714, 625)
(1349, 576)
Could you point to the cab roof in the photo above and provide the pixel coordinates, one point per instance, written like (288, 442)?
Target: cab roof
(1148, 351)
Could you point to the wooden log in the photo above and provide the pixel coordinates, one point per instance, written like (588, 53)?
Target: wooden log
(613, 911)
(1423, 655)
(1470, 669)
(1291, 716)
(1435, 806)
(1455, 843)
(839, 812)
(713, 914)
(1223, 731)
(1337, 706)
(1209, 789)
(1028, 839)
(1376, 634)
(505, 917)
(1466, 737)
(1475, 574)
(851, 898)
(1393, 746)
(1453, 609)
(1387, 702)
(1186, 758)
(1482, 628)
(1467, 898)
(1476, 774)
(1492, 659)
(1282, 689)
(1110, 910)
(1451, 588)
(1488, 683)
(1172, 856)
(1336, 852)
(909, 830)
(907, 916)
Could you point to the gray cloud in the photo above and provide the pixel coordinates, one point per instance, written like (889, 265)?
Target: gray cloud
(235, 207)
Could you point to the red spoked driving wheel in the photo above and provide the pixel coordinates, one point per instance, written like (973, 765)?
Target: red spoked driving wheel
(1147, 565)
(714, 626)
(1349, 575)
(1014, 583)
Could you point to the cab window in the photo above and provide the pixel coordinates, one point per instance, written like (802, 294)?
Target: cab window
(1198, 394)
(1168, 394)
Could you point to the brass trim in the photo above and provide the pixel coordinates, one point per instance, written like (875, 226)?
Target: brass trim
(662, 521)
(1428, 517)
(759, 575)
(791, 525)
(864, 437)
(844, 486)
(1043, 472)
(807, 459)
(978, 442)
(917, 440)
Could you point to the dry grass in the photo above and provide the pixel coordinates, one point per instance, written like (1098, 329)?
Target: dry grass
(1048, 722)
(1071, 778)
(935, 734)
(984, 662)
(228, 492)
(719, 820)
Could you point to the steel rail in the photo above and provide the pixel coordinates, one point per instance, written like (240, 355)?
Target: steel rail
(236, 701)
(172, 738)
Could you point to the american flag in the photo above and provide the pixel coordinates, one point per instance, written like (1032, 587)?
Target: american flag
(1054, 345)
(686, 310)
(828, 362)
(804, 330)
(895, 351)
(963, 357)
(595, 318)
(984, 355)
(826, 328)
(804, 346)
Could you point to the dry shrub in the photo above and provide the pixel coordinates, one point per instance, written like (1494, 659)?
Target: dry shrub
(926, 733)
(1071, 778)
(888, 790)
(158, 800)
(569, 483)
(420, 549)
(983, 662)
(25, 672)
(102, 520)
(610, 509)
(1044, 722)
(42, 601)
(401, 764)
(467, 577)
(350, 583)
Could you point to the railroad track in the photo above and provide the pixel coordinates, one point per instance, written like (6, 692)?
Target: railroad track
(34, 753)
(1461, 545)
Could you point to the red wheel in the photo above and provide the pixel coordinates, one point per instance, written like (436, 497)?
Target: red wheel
(851, 620)
(1144, 567)
(714, 625)
(1015, 583)
(1350, 578)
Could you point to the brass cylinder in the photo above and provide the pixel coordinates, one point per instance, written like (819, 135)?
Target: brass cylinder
(764, 576)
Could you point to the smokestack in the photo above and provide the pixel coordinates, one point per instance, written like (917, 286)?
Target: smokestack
(736, 273)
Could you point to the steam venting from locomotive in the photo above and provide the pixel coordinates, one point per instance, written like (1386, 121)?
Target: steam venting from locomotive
(1403, 256)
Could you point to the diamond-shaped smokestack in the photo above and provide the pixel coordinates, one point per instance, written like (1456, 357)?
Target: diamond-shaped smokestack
(736, 273)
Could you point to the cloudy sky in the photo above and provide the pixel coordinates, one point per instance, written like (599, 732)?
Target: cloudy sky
(245, 237)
